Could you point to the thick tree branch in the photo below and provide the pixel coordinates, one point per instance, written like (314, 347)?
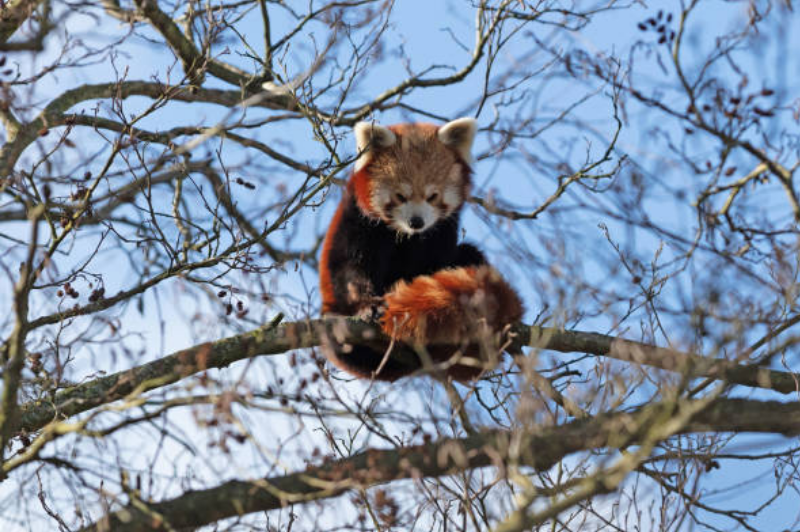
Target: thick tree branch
(23, 135)
(194, 63)
(278, 338)
(750, 375)
(13, 356)
(540, 450)
(14, 13)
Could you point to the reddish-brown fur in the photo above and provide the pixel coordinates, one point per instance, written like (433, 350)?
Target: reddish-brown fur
(417, 159)
(458, 306)
(325, 281)
(372, 263)
(360, 185)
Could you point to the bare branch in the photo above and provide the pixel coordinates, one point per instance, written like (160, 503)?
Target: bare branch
(540, 450)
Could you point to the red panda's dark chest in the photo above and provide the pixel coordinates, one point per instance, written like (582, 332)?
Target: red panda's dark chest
(372, 247)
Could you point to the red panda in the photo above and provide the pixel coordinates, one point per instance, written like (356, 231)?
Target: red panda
(392, 253)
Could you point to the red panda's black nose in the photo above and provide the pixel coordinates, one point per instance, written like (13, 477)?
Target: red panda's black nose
(416, 222)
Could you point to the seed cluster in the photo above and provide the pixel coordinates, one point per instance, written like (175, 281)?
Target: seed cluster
(661, 25)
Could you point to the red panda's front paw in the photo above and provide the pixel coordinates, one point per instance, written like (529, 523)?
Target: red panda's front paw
(372, 310)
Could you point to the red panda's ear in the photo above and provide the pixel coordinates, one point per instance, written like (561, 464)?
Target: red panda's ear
(459, 135)
(370, 135)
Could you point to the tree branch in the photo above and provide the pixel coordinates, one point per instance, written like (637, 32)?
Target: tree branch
(277, 338)
(194, 63)
(539, 449)
(15, 12)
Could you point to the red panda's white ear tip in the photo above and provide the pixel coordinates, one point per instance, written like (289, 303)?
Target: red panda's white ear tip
(371, 135)
(459, 135)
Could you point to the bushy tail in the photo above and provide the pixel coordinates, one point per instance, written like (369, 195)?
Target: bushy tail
(464, 307)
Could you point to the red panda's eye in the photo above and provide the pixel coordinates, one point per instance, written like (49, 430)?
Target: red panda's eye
(400, 198)
(433, 197)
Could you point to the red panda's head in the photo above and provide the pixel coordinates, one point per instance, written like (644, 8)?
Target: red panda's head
(413, 175)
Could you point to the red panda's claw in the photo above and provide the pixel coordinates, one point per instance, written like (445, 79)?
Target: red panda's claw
(373, 310)
(379, 310)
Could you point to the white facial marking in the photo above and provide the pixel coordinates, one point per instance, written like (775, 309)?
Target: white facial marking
(452, 197)
(403, 214)
(380, 197)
